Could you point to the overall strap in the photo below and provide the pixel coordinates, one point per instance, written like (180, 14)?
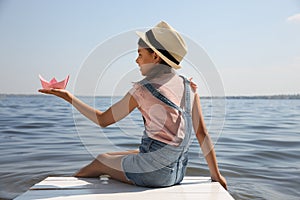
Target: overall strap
(187, 95)
(187, 116)
(159, 96)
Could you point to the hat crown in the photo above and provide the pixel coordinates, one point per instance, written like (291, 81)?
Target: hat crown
(166, 42)
(170, 39)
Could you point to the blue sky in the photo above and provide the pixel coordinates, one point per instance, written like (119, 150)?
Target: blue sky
(254, 44)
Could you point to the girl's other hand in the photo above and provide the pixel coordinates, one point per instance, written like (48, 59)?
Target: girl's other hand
(221, 180)
(193, 85)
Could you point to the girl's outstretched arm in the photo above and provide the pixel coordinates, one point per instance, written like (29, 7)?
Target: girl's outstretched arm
(115, 113)
(205, 142)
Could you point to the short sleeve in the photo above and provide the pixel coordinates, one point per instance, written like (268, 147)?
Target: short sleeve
(137, 91)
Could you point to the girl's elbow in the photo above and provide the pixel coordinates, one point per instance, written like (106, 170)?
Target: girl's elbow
(103, 124)
(202, 132)
(100, 120)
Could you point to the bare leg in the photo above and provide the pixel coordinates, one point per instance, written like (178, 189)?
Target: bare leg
(124, 152)
(106, 164)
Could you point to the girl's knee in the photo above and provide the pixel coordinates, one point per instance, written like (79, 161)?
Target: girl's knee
(102, 156)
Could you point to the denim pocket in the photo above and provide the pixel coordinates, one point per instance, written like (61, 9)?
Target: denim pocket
(165, 176)
(168, 169)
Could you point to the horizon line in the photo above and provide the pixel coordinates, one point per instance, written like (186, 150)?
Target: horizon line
(204, 96)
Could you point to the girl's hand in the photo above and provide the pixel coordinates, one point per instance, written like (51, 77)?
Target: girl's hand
(193, 85)
(64, 94)
(221, 180)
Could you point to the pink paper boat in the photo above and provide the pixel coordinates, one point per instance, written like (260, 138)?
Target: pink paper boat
(53, 83)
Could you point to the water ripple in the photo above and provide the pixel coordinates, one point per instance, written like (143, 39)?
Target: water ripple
(258, 150)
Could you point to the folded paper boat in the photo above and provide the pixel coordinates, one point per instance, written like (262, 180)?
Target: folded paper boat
(53, 83)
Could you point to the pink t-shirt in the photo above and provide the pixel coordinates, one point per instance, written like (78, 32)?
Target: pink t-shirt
(163, 123)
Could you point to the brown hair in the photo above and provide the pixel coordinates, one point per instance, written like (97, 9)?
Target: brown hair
(143, 44)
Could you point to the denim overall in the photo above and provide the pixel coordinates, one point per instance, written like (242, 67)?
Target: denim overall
(159, 164)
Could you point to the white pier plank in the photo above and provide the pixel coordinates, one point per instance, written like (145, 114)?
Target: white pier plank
(62, 188)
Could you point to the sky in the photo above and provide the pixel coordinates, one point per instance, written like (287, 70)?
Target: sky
(254, 45)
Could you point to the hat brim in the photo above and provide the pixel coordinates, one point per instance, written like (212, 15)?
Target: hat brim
(169, 62)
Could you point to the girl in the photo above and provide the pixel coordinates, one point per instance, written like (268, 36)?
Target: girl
(170, 111)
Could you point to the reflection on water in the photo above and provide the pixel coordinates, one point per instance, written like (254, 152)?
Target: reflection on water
(258, 150)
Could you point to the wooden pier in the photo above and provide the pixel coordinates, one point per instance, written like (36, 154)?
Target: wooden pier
(56, 188)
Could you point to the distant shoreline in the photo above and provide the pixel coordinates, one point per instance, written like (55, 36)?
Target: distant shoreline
(296, 96)
(279, 96)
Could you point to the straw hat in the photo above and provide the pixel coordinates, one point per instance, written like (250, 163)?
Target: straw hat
(166, 42)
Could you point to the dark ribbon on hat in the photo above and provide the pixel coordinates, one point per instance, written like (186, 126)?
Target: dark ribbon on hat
(160, 47)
